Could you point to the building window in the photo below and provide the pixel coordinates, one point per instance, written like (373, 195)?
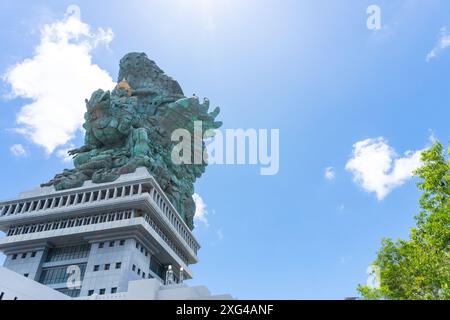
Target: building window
(14, 257)
(134, 268)
(68, 253)
(102, 291)
(107, 266)
(157, 267)
(137, 245)
(118, 265)
(143, 275)
(70, 292)
(96, 267)
(24, 255)
(113, 290)
(139, 271)
(26, 275)
(111, 244)
(33, 254)
(101, 245)
(90, 292)
(122, 242)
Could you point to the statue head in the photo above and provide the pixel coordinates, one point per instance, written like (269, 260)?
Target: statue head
(124, 87)
(103, 122)
(142, 73)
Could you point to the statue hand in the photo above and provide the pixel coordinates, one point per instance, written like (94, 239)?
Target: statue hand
(79, 150)
(73, 152)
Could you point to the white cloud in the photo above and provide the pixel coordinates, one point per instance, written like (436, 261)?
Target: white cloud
(377, 168)
(200, 210)
(220, 234)
(57, 79)
(329, 173)
(442, 44)
(18, 150)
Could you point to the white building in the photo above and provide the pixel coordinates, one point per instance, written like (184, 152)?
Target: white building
(118, 240)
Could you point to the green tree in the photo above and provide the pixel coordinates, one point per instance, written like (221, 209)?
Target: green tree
(420, 267)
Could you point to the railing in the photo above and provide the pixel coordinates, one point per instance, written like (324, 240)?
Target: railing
(66, 200)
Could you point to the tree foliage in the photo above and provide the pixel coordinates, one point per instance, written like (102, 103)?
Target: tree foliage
(419, 268)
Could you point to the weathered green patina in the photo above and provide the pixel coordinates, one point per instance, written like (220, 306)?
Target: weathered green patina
(131, 127)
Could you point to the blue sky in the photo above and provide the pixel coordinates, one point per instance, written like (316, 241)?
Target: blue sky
(336, 90)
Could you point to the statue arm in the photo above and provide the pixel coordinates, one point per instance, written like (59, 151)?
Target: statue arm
(143, 92)
(79, 150)
(90, 143)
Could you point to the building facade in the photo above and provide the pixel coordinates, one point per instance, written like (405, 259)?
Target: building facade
(97, 239)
